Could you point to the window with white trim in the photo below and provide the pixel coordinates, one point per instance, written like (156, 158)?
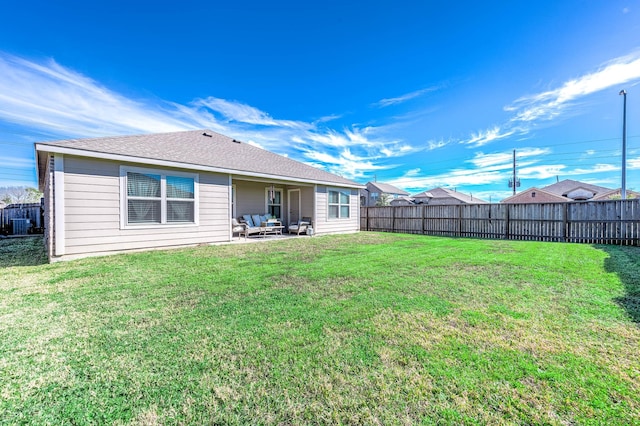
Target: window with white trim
(339, 204)
(152, 197)
(273, 198)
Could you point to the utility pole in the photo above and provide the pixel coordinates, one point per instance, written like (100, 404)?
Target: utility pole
(514, 182)
(623, 190)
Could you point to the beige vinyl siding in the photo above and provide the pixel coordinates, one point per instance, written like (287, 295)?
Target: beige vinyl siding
(92, 211)
(250, 197)
(306, 200)
(324, 225)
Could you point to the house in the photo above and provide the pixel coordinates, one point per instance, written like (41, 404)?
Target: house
(616, 194)
(575, 190)
(402, 201)
(122, 193)
(565, 191)
(535, 195)
(443, 196)
(374, 192)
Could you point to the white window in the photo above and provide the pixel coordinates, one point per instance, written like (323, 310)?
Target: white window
(154, 197)
(339, 204)
(273, 201)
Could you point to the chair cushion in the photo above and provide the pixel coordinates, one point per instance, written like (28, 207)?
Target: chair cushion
(248, 219)
(257, 221)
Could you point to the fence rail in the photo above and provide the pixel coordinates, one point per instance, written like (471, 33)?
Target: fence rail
(593, 222)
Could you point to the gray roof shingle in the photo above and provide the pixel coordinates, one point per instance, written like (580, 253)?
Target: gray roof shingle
(567, 185)
(193, 148)
(388, 188)
(445, 193)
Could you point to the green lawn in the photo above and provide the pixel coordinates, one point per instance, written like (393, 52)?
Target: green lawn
(354, 329)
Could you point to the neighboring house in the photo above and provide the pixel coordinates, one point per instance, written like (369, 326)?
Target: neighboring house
(120, 193)
(535, 195)
(575, 190)
(443, 196)
(616, 194)
(402, 201)
(375, 191)
(565, 191)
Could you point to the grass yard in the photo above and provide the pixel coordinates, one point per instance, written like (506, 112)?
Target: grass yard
(355, 329)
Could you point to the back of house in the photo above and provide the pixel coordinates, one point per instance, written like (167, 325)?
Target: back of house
(115, 194)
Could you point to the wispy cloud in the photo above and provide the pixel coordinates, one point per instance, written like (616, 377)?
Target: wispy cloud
(50, 97)
(436, 144)
(496, 168)
(505, 159)
(552, 104)
(47, 97)
(382, 103)
(484, 137)
(242, 113)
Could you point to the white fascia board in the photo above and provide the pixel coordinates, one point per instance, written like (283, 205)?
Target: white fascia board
(174, 164)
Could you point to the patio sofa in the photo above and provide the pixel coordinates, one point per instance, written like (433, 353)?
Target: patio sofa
(252, 224)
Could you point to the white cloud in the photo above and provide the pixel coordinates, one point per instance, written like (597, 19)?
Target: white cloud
(382, 103)
(541, 171)
(344, 164)
(549, 105)
(50, 98)
(484, 137)
(242, 113)
(506, 158)
(53, 98)
(435, 144)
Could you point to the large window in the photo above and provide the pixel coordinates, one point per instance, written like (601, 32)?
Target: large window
(156, 198)
(339, 204)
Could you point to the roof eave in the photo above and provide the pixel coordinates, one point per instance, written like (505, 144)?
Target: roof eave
(40, 147)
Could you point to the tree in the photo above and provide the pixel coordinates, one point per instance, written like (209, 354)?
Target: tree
(383, 200)
(19, 195)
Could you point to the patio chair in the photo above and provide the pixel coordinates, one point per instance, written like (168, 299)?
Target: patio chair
(244, 228)
(236, 227)
(300, 227)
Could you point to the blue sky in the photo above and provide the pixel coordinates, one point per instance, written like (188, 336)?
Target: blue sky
(418, 94)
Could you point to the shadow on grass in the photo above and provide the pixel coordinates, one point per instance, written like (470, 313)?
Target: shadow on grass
(27, 251)
(625, 261)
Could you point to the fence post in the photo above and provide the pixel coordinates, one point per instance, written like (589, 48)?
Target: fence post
(367, 218)
(459, 220)
(393, 219)
(506, 221)
(565, 222)
(422, 219)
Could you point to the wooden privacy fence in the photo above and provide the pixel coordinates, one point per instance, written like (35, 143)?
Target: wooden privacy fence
(13, 214)
(593, 222)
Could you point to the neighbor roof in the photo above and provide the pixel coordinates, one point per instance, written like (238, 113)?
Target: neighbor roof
(565, 186)
(448, 193)
(387, 188)
(195, 149)
(542, 197)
